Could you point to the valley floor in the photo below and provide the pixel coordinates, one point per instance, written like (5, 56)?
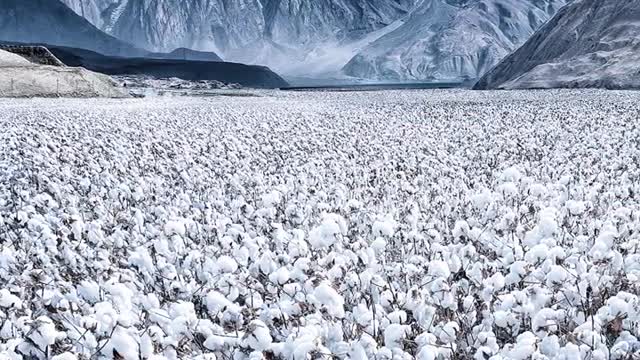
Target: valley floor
(399, 224)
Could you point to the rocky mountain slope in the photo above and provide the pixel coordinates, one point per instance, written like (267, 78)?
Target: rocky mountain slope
(187, 54)
(446, 40)
(50, 21)
(590, 43)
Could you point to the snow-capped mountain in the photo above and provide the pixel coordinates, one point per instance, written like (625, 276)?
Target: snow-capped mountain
(373, 39)
(590, 43)
(452, 39)
(51, 22)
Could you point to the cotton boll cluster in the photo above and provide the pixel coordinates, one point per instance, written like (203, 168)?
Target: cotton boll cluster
(393, 225)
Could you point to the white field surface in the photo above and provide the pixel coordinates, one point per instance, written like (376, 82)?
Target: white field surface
(380, 225)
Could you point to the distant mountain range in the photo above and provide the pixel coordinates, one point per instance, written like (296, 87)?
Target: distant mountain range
(433, 40)
(590, 43)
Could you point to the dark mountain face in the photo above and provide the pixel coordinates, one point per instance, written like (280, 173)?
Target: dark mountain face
(246, 75)
(589, 43)
(187, 54)
(50, 21)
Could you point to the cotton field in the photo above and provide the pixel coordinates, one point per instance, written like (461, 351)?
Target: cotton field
(374, 225)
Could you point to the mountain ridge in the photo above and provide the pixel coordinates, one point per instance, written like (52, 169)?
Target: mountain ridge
(52, 22)
(589, 43)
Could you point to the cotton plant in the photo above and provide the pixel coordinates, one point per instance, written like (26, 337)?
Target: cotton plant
(395, 225)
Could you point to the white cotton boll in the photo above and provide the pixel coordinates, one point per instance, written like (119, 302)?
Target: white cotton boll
(438, 268)
(537, 253)
(146, 346)
(565, 180)
(524, 347)
(460, 229)
(550, 345)
(124, 344)
(517, 272)
(501, 318)
(77, 227)
(357, 352)
(576, 207)
(258, 337)
(604, 242)
(571, 352)
(7, 331)
(271, 199)
(448, 333)
(266, 264)
(435, 236)
(207, 356)
(617, 306)
(183, 315)
(546, 321)
(394, 334)
(508, 189)
(326, 234)
(175, 228)
(280, 276)
(362, 315)
(557, 275)
(65, 356)
(537, 190)
(89, 290)
(142, 259)
(298, 246)
(546, 228)
(241, 255)
(45, 333)
(106, 317)
(300, 266)
(214, 342)
(379, 245)
(623, 347)
(511, 174)
(384, 353)
(397, 317)
(335, 273)
(139, 220)
(216, 302)
(329, 298)
(303, 349)
(482, 200)
(8, 300)
(385, 227)
(227, 264)
(427, 353)
(496, 282)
